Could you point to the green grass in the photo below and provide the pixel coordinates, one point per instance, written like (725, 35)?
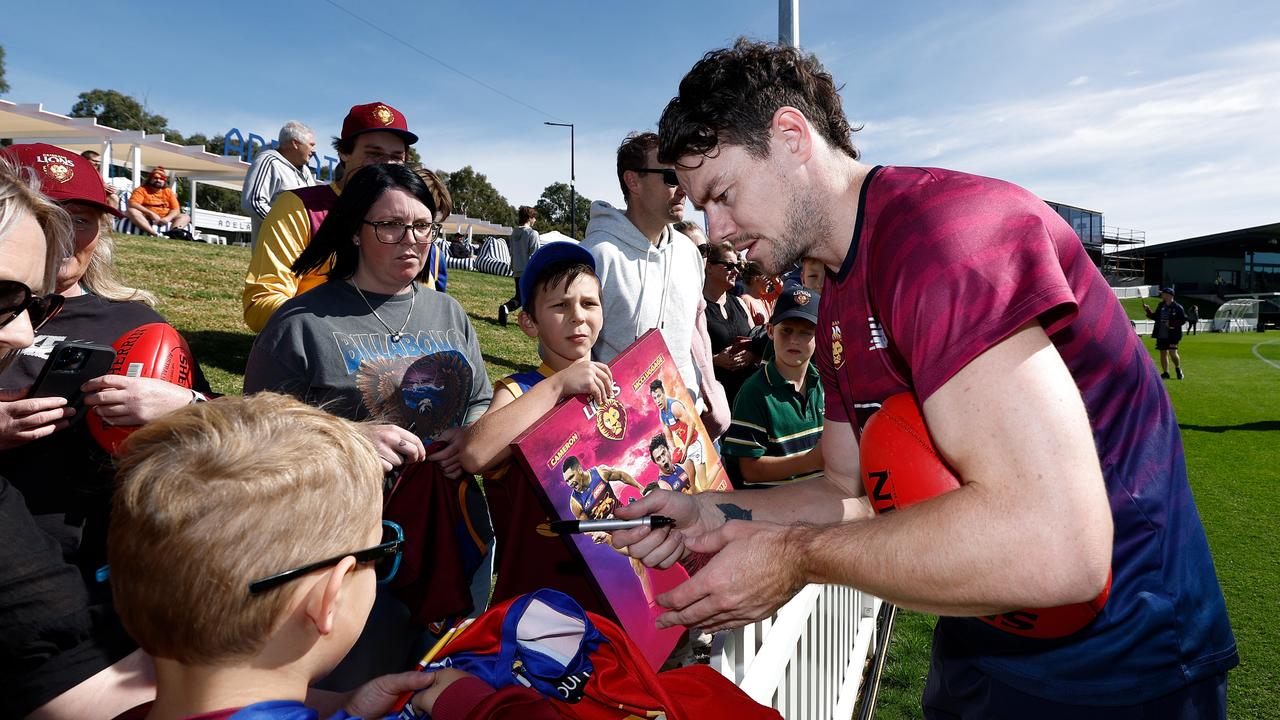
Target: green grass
(1228, 408)
(1229, 411)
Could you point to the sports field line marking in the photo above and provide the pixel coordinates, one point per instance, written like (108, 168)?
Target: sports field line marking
(1258, 355)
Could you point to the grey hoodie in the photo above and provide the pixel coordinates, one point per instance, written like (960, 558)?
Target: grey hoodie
(645, 286)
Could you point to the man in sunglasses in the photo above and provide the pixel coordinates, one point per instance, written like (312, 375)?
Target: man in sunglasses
(371, 134)
(650, 275)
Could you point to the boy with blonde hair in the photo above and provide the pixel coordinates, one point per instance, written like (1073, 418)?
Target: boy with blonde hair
(246, 541)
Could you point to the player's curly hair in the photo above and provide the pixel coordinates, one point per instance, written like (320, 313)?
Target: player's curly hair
(731, 95)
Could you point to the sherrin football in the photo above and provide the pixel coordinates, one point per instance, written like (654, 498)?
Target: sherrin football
(154, 350)
(900, 468)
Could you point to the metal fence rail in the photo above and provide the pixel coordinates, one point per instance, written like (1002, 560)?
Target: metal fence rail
(806, 661)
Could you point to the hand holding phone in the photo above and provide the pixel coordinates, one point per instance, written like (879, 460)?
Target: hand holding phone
(70, 365)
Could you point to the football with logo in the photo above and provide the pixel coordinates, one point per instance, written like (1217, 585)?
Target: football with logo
(900, 468)
(154, 350)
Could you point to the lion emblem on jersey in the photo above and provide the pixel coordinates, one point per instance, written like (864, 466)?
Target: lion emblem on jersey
(611, 420)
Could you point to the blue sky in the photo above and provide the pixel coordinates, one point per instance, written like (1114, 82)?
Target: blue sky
(1163, 114)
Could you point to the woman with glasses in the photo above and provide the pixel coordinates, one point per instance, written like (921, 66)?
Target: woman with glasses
(54, 656)
(728, 320)
(372, 344)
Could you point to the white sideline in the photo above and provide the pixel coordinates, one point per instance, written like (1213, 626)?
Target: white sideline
(808, 660)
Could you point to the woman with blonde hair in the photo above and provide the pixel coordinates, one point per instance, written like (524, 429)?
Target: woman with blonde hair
(54, 654)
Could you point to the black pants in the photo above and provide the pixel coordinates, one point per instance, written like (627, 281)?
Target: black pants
(514, 303)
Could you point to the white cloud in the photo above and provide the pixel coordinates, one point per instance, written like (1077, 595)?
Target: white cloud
(1078, 81)
(1186, 156)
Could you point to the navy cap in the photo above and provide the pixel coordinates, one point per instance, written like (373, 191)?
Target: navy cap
(796, 301)
(1164, 290)
(552, 252)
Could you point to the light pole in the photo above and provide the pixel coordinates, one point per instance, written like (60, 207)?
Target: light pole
(573, 198)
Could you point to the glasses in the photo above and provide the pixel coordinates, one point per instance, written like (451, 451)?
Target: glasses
(729, 265)
(15, 297)
(385, 556)
(668, 175)
(390, 232)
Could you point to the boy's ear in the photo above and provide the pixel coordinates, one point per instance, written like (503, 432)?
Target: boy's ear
(322, 600)
(526, 324)
(769, 328)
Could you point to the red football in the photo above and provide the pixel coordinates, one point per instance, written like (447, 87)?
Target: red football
(900, 468)
(154, 350)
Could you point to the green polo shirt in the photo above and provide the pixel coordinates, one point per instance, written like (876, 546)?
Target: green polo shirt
(771, 418)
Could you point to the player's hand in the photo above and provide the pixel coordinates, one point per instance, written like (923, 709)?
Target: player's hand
(395, 445)
(586, 377)
(663, 547)
(121, 400)
(377, 697)
(22, 421)
(753, 573)
(447, 457)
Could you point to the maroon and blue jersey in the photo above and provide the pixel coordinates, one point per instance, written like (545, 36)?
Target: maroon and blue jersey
(597, 498)
(678, 479)
(944, 266)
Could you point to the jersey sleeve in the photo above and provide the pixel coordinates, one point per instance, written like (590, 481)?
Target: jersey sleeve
(270, 281)
(972, 271)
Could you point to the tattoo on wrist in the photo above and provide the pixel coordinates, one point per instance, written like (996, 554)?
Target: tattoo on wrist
(733, 512)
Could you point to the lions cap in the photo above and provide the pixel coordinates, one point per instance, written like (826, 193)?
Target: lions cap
(796, 301)
(376, 117)
(552, 252)
(64, 175)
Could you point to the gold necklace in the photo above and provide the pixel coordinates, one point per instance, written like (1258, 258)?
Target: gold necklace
(395, 335)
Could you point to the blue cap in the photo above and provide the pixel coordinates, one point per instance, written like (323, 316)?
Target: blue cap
(1164, 290)
(551, 253)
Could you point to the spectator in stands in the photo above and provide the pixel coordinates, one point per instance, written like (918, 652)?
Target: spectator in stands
(777, 418)
(522, 243)
(761, 291)
(155, 203)
(372, 133)
(277, 169)
(1169, 318)
(53, 658)
(728, 320)
(460, 247)
(647, 279)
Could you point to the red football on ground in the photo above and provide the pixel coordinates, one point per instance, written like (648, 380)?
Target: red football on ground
(154, 350)
(901, 468)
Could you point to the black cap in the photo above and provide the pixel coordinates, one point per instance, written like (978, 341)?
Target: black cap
(1164, 290)
(796, 301)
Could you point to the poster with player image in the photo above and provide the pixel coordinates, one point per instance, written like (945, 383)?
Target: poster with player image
(589, 458)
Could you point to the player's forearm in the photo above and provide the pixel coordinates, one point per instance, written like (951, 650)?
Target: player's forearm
(815, 501)
(963, 553)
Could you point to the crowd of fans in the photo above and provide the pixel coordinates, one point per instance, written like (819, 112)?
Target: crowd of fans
(345, 289)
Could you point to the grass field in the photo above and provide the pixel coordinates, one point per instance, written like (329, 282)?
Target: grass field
(1228, 409)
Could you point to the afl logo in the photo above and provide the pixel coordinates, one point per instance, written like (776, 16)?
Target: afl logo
(611, 419)
(383, 114)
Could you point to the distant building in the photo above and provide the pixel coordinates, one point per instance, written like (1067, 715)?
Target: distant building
(1236, 262)
(1109, 247)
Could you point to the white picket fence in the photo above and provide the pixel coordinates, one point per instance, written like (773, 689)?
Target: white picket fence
(807, 661)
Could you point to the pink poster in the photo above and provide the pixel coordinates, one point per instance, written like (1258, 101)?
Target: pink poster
(591, 458)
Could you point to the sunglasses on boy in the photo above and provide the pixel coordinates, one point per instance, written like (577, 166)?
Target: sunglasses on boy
(668, 175)
(15, 297)
(385, 557)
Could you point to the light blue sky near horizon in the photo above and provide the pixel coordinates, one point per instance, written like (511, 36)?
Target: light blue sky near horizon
(1160, 113)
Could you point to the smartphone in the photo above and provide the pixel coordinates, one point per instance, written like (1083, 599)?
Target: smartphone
(70, 365)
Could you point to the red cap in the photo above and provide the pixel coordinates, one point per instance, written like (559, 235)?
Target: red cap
(376, 117)
(64, 175)
(158, 170)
